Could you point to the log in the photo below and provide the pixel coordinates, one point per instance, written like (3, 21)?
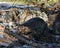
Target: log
(24, 39)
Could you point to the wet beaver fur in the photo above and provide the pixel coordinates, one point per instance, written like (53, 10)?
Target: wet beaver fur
(36, 27)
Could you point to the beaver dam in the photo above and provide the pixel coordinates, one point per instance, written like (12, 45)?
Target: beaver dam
(26, 26)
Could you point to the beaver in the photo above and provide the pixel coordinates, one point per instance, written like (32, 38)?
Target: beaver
(36, 27)
(56, 24)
